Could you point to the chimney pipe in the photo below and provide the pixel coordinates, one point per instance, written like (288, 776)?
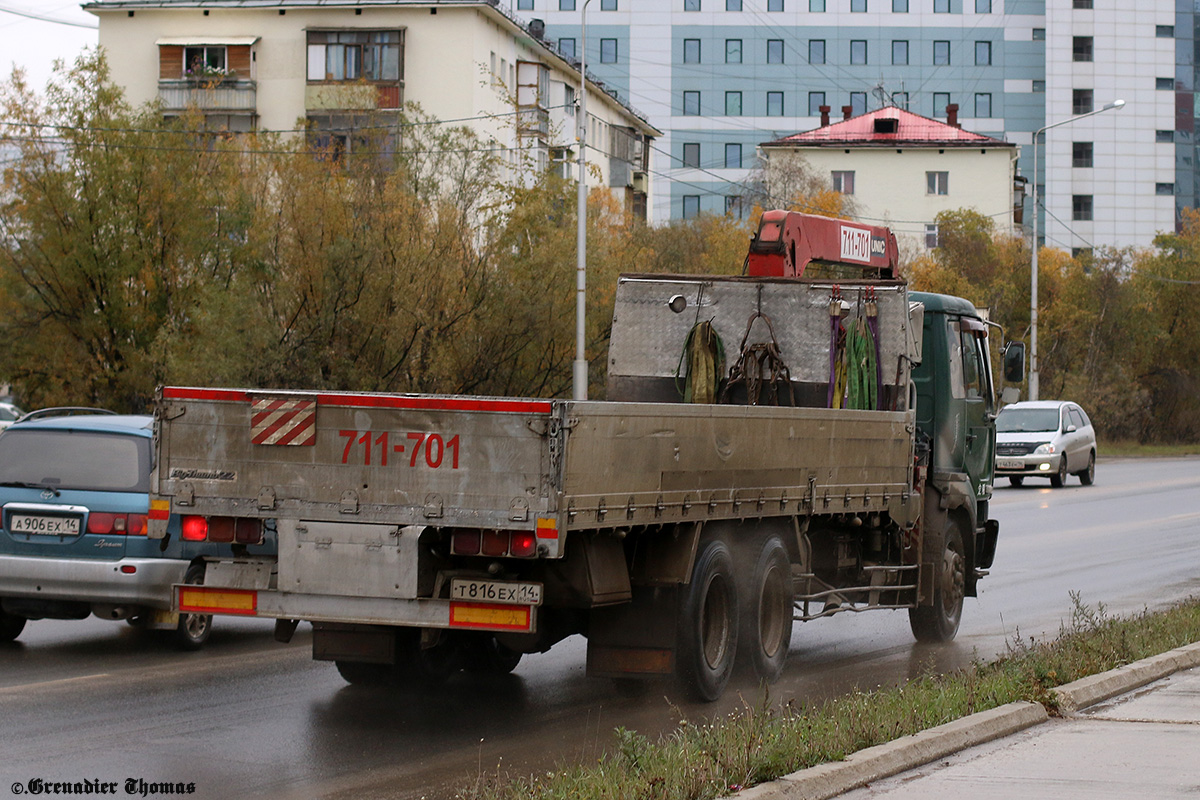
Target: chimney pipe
(952, 115)
(847, 111)
(824, 115)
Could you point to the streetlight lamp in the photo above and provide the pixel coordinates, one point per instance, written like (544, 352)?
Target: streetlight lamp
(1033, 283)
(579, 382)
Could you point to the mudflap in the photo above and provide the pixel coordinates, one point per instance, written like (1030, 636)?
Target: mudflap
(635, 639)
(372, 644)
(985, 544)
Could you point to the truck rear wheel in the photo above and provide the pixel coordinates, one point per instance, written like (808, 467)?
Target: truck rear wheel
(361, 673)
(708, 623)
(766, 613)
(939, 622)
(486, 656)
(193, 630)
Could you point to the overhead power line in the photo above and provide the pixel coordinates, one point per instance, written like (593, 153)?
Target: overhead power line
(43, 18)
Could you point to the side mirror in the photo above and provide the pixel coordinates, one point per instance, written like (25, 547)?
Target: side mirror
(1014, 362)
(1071, 429)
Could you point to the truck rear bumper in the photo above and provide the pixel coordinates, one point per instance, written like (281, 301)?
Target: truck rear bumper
(127, 581)
(418, 613)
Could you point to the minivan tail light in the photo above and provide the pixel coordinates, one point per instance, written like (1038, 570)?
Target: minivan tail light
(194, 529)
(102, 522)
(135, 524)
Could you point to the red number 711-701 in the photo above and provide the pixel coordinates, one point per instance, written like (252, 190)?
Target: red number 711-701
(427, 448)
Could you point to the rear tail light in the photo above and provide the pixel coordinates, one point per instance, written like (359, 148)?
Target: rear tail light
(103, 522)
(220, 529)
(524, 544)
(495, 543)
(194, 529)
(248, 531)
(465, 543)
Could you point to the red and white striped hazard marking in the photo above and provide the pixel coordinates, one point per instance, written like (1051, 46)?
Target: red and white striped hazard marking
(275, 420)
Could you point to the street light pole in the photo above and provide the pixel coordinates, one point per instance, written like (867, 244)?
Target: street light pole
(579, 383)
(1033, 281)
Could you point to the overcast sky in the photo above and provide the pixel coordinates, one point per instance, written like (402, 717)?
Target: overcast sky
(33, 33)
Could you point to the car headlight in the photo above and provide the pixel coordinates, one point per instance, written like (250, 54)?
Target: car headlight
(1044, 449)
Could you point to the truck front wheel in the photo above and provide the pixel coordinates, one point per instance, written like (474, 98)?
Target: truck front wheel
(939, 622)
(708, 623)
(766, 617)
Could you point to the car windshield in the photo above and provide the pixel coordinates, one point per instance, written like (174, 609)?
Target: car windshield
(106, 462)
(1027, 420)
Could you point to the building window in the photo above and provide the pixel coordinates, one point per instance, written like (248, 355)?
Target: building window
(774, 5)
(733, 206)
(941, 53)
(1164, 84)
(691, 154)
(843, 181)
(1039, 34)
(690, 5)
(940, 101)
(900, 100)
(1039, 86)
(937, 183)
(209, 60)
(691, 202)
(1081, 207)
(1081, 101)
(931, 235)
(691, 51)
(858, 103)
(1081, 154)
(608, 51)
(691, 104)
(1081, 48)
(1164, 188)
(858, 6)
(941, 6)
(566, 5)
(1083, 4)
(733, 5)
(356, 55)
(1164, 137)
(983, 54)
(608, 5)
(815, 101)
(569, 99)
(983, 6)
(899, 6)
(816, 51)
(733, 104)
(733, 51)
(899, 52)
(983, 105)
(774, 104)
(524, 5)
(858, 51)
(567, 47)
(774, 51)
(817, 6)
(733, 156)
(1164, 31)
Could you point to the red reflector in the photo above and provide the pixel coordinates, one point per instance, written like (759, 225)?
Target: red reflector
(99, 522)
(220, 529)
(194, 529)
(524, 544)
(248, 531)
(129, 569)
(465, 543)
(495, 543)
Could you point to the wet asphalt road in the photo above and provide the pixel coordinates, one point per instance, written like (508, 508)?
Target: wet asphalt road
(248, 717)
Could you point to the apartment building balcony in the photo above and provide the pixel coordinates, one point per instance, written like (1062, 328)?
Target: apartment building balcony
(211, 93)
(353, 96)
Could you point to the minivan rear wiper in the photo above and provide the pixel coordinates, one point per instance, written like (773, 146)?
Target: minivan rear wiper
(27, 485)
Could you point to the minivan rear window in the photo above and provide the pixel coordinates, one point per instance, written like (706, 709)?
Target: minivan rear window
(87, 460)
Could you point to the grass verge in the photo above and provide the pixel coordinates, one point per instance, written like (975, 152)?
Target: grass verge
(1135, 450)
(765, 741)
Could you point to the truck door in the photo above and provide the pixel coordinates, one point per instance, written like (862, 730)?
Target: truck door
(979, 404)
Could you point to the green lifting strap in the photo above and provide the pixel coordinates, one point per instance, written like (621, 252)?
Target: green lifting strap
(860, 366)
(704, 354)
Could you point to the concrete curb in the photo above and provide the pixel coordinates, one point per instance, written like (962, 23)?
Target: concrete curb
(1097, 688)
(883, 761)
